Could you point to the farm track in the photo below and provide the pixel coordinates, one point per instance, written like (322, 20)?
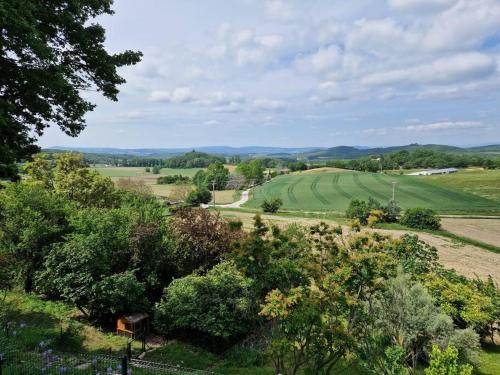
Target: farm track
(290, 193)
(338, 188)
(370, 192)
(316, 193)
(381, 180)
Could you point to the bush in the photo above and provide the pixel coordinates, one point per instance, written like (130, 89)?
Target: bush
(156, 169)
(358, 210)
(173, 179)
(219, 304)
(446, 362)
(391, 212)
(199, 196)
(421, 218)
(272, 205)
(147, 170)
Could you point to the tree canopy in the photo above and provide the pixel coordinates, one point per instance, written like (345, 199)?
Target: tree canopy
(51, 51)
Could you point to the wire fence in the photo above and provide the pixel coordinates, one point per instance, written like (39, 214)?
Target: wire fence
(51, 363)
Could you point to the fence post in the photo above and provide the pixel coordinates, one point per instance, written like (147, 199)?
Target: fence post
(1, 363)
(124, 365)
(129, 350)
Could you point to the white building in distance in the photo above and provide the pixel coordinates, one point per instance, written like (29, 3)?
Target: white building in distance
(429, 172)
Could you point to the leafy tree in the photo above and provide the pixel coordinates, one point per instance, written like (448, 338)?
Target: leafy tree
(41, 169)
(421, 218)
(466, 305)
(271, 205)
(199, 196)
(275, 261)
(218, 173)
(415, 256)
(116, 295)
(358, 209)
(252, 170)
(446, 363)
(220, 303)
(490, 289)
(201, 239)
(31, 220)
(82, 185)
(407, 316)
(51, 51)
(200, 178)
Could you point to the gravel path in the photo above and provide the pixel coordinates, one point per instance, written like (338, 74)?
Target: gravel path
(237, 204)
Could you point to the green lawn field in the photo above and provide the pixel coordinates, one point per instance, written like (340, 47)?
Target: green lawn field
(332, 191)
(141, 172)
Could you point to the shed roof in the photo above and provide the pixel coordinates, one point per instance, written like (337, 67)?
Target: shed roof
(135, 318)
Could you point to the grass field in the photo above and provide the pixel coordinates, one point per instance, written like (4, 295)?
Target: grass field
(141, 172)
(332, 191)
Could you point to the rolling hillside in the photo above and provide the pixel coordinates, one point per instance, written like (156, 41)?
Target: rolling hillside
(333, 192)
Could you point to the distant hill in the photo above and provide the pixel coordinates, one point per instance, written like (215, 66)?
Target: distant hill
(308, 153)
(349, 152)
(166, 152)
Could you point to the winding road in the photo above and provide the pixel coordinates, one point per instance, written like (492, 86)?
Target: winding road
(244, 198)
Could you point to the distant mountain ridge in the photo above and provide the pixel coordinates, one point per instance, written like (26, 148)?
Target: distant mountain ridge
(222, 150)
(309, 153)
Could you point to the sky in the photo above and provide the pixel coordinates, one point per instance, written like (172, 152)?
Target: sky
(299, 73)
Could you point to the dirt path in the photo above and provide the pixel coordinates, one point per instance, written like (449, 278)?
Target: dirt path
(237, 204)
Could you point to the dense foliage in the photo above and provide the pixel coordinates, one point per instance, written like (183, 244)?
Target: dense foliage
(309, 298)
(421, 218)
(173, 179)
(271, 205)
(252, 170)
(193, 159)
(51, 52)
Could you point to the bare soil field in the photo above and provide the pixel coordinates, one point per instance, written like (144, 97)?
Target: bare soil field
(467, 260)
(484, 230)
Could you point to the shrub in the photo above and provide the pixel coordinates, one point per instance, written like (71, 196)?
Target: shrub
(147, 170)
(421, 218)
(358, 210)
(376, 216)
(446, 362)
(272, 205)
(156, 169)
(219, 304)
(355, 225)
(391, 212)
(199, 196)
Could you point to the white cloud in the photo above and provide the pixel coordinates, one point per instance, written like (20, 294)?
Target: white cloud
(451, 69)
(329, 91)
(269, 105)
(280, 11)
(424, 5)
(178, 95)
(444, 125)
(325, 59)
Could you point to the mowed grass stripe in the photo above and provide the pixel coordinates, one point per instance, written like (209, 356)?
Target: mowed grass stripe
(317, 194)
(372, 193)
(291, 195)
(336, 186)
(401, 189)
(308, 193)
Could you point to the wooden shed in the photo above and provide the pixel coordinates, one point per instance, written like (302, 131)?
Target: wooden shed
(133, 326)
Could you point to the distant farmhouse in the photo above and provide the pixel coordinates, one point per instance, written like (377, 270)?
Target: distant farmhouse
(429, 172)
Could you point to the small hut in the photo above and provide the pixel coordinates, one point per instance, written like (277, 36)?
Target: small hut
(133, 326)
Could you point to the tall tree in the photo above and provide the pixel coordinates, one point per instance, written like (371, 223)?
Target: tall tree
(50, 51)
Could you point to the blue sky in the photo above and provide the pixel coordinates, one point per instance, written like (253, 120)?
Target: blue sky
(300, 73)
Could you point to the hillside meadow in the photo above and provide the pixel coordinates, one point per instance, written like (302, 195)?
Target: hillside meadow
(332, 191)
